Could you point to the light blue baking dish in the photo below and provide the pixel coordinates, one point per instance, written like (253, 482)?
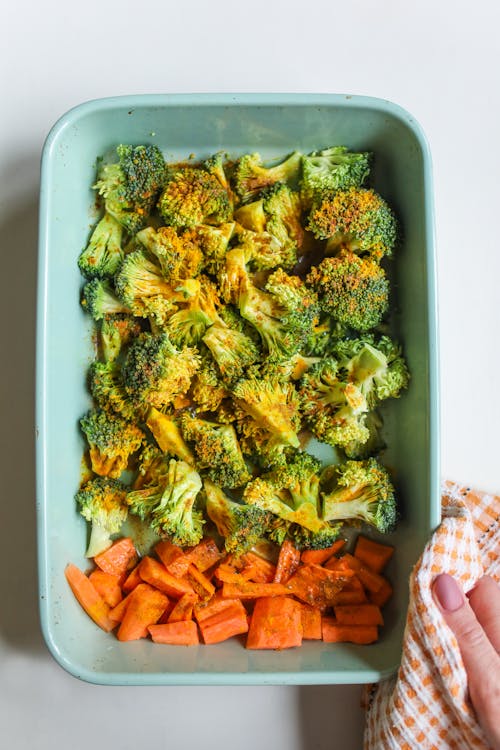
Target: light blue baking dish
(202, 124)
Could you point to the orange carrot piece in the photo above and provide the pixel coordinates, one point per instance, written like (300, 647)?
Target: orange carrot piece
(168, 552)
(258, 569)
(145, 608)
(182, 633)
(157, 575)
(382, 596)
(288, 562)
(107, 586)
(88, 597)
(183, 609)
(276, 624)
(320, 556)
(332, 632)
(226, 574)
(250, 590)
(316, 586)
(351, 596)
(118, 558)
(132, 580)
(117, 613)
(358, 614)
(370, 580)
(199, 583)
(374, 555)
(311, 622)
(204, 555)
(224, 624)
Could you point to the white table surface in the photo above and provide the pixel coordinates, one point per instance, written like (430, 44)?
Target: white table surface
(438, 60)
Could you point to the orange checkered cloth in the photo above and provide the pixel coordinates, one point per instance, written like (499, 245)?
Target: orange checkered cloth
(426, 704)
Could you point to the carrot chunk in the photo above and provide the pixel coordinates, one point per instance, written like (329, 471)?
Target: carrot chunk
(351, 596)
(276, 624)
(199, 583)
(332, 632)
(320, 556)
(182, 633)
(250, 590)
(227, 622)
(158, 576)
(118, 558)
(203, 610)
(107, 586)
(373, 554)
(226, 574)
(370, 580)
(288, 562)
(132, 580)
(183, 609)
(145, 608)
(88, 597)
(168, 552)
(204, 555)
(316, 586)
(360, 614)
(382, 596)
(311, 622)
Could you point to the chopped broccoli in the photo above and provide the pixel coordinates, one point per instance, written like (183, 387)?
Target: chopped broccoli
(115, 333)
(170, 504)
(217, 450)
(187, 326)
(373, 444)
(112, 441)
(213, 243)
(155, 372)
(178, 257)
(265, 253)
(354, 290)
(362, 491)
(324, 172)
(107, 388)
(102, 503)
(274, 405)
(252, 216)
(194, 196)
(99, 299)
(130, 186)
(358, 219)
(252, 176)
(283, 216)
(233, 274)
(208, 390)
(262, 447)
(152, 466)
(240, 525)
(140, 284)
(305, 539)
(167, 434)
(103, 254)
(233, 351)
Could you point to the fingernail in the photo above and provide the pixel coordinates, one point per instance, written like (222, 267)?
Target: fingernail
(448, 592)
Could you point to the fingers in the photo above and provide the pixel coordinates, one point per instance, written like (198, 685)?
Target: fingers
(484, 599)
(477, 652)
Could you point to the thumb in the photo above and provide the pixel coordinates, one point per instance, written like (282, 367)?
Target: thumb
(477, 652)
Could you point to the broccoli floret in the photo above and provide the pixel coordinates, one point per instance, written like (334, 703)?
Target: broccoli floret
(167, 434)
(170, 505)
(194, 196)
(358, 219)
(213, 243)
(304, 539)
(155, 372)
(324, 172)
(102, 503)
(334, 408)
(140, 284)
(273, 405)
(178, 257)
(215, 166)
(252, 216)
(374, 443)
(376, 368)
(362, 491)
(116, 332)
(187, 326)
(233, 274)
(252, 176)
(262, 448)
(208, 390)
(232, 350)
(112, 441)
(283, 216)
(291, 492)
(264, 252)
(152, 467)
(217, 450)
(103, 254)
(240, 525)
(107, 388)
(99, 300)
(130, 186)
(354, 290)
(283, 314)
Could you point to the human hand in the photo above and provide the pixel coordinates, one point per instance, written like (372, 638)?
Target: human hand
(475, 621)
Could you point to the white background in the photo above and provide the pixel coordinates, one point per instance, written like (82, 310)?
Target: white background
(437, 59)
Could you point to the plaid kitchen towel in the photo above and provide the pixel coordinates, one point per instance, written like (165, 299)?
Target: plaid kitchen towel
(425, 705)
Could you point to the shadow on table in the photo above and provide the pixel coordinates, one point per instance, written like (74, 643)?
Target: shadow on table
(330, 716)
(19, 621)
